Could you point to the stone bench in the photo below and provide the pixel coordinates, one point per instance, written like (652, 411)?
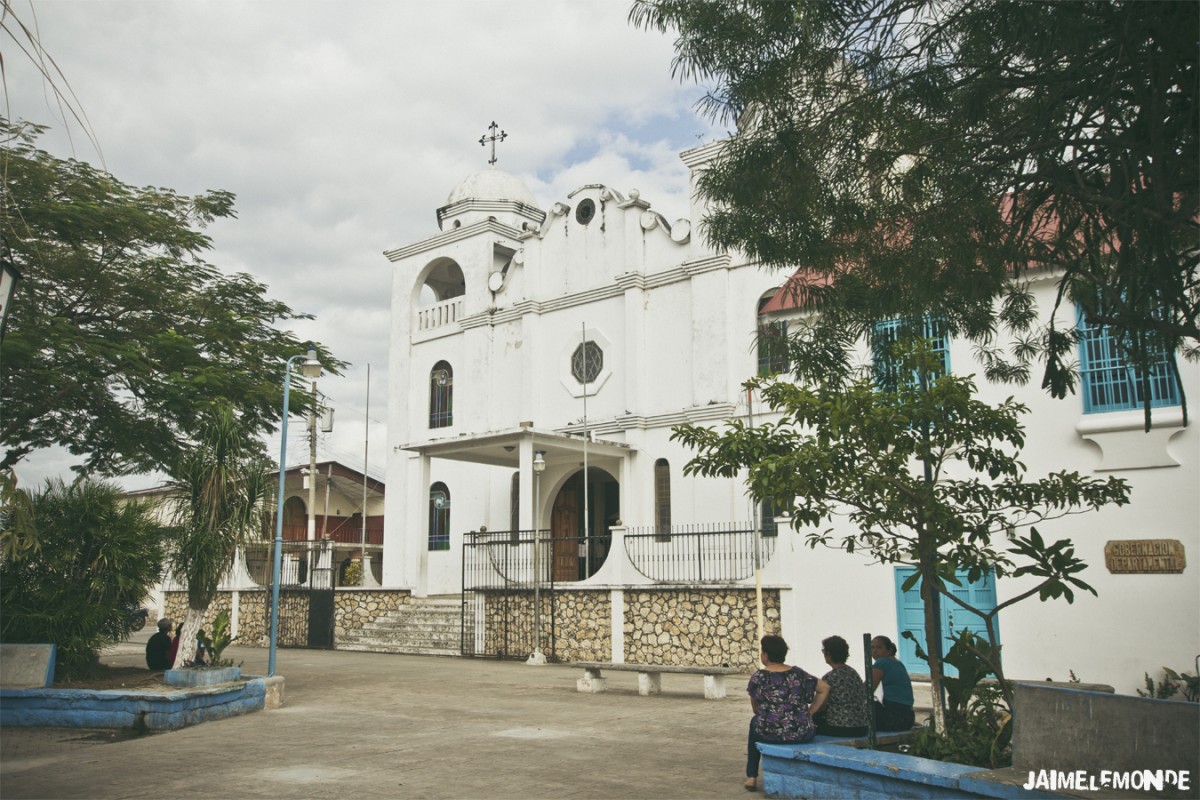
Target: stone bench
(27, 666)
(650, 677)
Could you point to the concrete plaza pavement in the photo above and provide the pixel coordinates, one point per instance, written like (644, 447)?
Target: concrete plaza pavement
(367, 725)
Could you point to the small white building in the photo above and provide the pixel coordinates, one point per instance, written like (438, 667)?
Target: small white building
(515, 327)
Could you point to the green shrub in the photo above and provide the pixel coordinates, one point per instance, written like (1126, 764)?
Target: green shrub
(95, 557)
(1173, 683)
(214, 645)
(352, 576)
(978, 720)
(978, 736)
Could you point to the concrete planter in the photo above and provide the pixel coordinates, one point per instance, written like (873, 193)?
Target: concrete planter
(831, 768)
(202, 676)
(145, 710)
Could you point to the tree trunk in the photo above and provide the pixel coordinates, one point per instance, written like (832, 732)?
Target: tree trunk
(933, 626)
(997, 664)
(187, 645)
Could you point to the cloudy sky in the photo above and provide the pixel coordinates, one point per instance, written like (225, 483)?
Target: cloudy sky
(342, 127)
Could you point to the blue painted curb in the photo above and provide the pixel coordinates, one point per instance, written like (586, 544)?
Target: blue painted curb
(151, 710)
(828, 768)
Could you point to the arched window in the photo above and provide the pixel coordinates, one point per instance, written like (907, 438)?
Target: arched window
(441, 395)
(772, 340)
(662, 499)
(439, 517)
(769, 510)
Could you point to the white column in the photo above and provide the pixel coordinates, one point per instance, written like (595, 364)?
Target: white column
(617, 618)
(417, 527)
(525, 488)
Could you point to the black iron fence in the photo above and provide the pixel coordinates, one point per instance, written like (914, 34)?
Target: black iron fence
(327, 564)
(509, 559)
(505, 572)
(716, 553)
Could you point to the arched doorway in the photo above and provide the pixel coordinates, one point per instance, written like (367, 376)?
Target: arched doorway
(295, 520)
(576, 557)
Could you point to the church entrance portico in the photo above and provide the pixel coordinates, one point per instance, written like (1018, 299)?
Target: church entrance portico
(552, 500)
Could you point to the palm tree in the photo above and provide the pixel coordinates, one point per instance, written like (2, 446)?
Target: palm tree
(221, 494)
(73, 585)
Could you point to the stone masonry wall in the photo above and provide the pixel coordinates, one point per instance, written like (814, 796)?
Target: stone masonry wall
(354, 608)
(691, 626)
(583, 626)
(252, 613)
(705, 627)
(579, 620)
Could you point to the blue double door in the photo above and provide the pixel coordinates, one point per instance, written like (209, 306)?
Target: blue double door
(910, 615)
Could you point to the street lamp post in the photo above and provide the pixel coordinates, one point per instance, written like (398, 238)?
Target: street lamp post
(311, 368)
(539, 465)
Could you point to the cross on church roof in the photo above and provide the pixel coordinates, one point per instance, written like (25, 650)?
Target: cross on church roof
(495, 137)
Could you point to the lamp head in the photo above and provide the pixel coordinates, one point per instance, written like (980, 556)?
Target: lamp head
(539, 460)
(311, 368)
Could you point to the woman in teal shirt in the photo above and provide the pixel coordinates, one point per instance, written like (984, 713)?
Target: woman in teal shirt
(895, 713)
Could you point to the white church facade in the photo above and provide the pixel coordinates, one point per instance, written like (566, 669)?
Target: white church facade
(516, 328)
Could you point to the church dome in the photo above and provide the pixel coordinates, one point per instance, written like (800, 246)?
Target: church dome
(492, 184)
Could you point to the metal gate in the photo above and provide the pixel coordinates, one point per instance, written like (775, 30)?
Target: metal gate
(499, 588)
(305, 595)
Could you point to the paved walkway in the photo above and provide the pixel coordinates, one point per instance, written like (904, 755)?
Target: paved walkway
(367, 725)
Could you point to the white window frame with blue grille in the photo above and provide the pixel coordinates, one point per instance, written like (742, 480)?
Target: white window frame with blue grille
(1109, 383)
(910, 615)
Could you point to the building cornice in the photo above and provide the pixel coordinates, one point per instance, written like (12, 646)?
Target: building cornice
(623, 282)
(451, 236)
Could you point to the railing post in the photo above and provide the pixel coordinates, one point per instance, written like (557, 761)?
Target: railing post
(616, 551)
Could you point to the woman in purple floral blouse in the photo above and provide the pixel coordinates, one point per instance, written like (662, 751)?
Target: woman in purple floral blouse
(784, 699)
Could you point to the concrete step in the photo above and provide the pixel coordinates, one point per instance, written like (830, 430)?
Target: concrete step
(424, 626)
(437, 646)
(398, 650)
(403, 634)
(392, 621)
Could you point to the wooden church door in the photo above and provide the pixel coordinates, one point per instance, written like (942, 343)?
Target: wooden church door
(564, 530)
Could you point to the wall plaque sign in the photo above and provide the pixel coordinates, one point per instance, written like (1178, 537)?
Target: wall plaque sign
(1143, 556)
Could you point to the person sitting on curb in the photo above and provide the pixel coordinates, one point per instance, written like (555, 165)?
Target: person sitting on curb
(159, 647)
(895, 713)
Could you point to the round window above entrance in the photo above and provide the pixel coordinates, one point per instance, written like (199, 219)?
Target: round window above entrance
(585, 211)
(587, 361)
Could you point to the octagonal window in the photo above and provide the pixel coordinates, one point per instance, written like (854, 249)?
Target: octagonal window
(587, 361)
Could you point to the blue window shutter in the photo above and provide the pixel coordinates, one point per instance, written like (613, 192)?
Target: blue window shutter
(910, 615)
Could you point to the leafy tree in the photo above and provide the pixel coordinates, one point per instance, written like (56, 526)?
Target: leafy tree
(221, 494)
(18, 530)
(74, 589)
(917, 156)
(122, 333)
(923, 473)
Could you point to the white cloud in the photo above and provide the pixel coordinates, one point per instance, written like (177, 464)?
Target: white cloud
(341, 127)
